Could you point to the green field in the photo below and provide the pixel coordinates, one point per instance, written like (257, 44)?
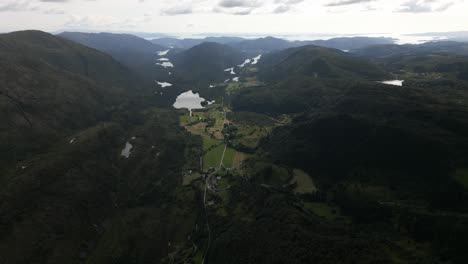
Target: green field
(209, 142)
(234, 86)
(186, 118)
(213, 157)
(216, 114)
(229, 157)
(461, 176)
(198, 258)
(191, 177)
(323, 210)
(250, 136)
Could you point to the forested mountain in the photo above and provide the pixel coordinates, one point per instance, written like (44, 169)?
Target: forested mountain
(351, 43)
(67, 112)
(448, 47)
(51, 86)
(136, 53)
(188, 43)
(269, 44)
(128, 49)
(262, 45)
(206, 63)
(317, 62)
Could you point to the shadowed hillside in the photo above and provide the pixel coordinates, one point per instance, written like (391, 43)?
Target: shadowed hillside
(51, 86)
(204, 64)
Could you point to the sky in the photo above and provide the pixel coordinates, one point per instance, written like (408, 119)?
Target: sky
(236, 16)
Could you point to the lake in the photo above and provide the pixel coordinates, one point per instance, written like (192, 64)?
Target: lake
(393, 82)
(189, 100)
(126, 151)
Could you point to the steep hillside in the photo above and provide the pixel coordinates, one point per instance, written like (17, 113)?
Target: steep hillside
(51, 86)
(188, 43)
(262, 45)
(380, 51)
(66, 55)
(67, 112)
(319, 63)
(128, 49)
(271, 44)
(206, 63)
(78, 200)
(351, 43)
(136, 53)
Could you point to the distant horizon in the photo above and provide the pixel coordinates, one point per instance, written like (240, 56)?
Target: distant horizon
(404, 38)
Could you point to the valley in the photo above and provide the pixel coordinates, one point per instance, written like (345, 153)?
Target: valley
(251, 151)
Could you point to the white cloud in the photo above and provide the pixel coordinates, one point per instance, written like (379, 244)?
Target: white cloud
(302, 16)
(425, 6)
(17, 6)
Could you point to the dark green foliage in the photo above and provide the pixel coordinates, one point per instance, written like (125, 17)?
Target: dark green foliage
(51, 86)
(204, 64)
(387, 164)
(271, 44)
(128, 49)
(442, 47)
(319, 63)
(136, 53)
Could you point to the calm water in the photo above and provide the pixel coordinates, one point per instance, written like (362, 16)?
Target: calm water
(189, 100)
(126, 151)
(394, 82)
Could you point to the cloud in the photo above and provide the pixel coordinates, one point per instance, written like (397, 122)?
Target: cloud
(285, 6)
(233, 11)
(237, 7)
(347, 2)
(54, 1)
(282, 9)
(17, 6)
(177, 10)
(288, 2)
(424, 6)
(444, 7)
(53, 12)
(101, 22)
(239, 3)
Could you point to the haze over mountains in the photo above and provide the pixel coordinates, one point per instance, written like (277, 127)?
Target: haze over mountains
(296, 151)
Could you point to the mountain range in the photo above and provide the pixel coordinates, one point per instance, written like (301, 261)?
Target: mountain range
(349, 150)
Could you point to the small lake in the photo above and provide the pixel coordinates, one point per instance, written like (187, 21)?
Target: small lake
(256, 59)
(189, 100)
(163, 53)
(393, 82)
(164, 84)
(126, 151)
(166, 64)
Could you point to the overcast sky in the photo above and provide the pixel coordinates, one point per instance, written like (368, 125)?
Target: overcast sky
(236, 16)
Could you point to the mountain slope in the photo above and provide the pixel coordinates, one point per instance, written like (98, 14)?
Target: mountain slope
(206, 63)
(128, 49)
(188, 43)
(270, 44)
(136, 53)
(350, 43)
(51, 86)
(65, 55)
(381, 51)
(317, 62)
(66, 113)
(262, 45)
